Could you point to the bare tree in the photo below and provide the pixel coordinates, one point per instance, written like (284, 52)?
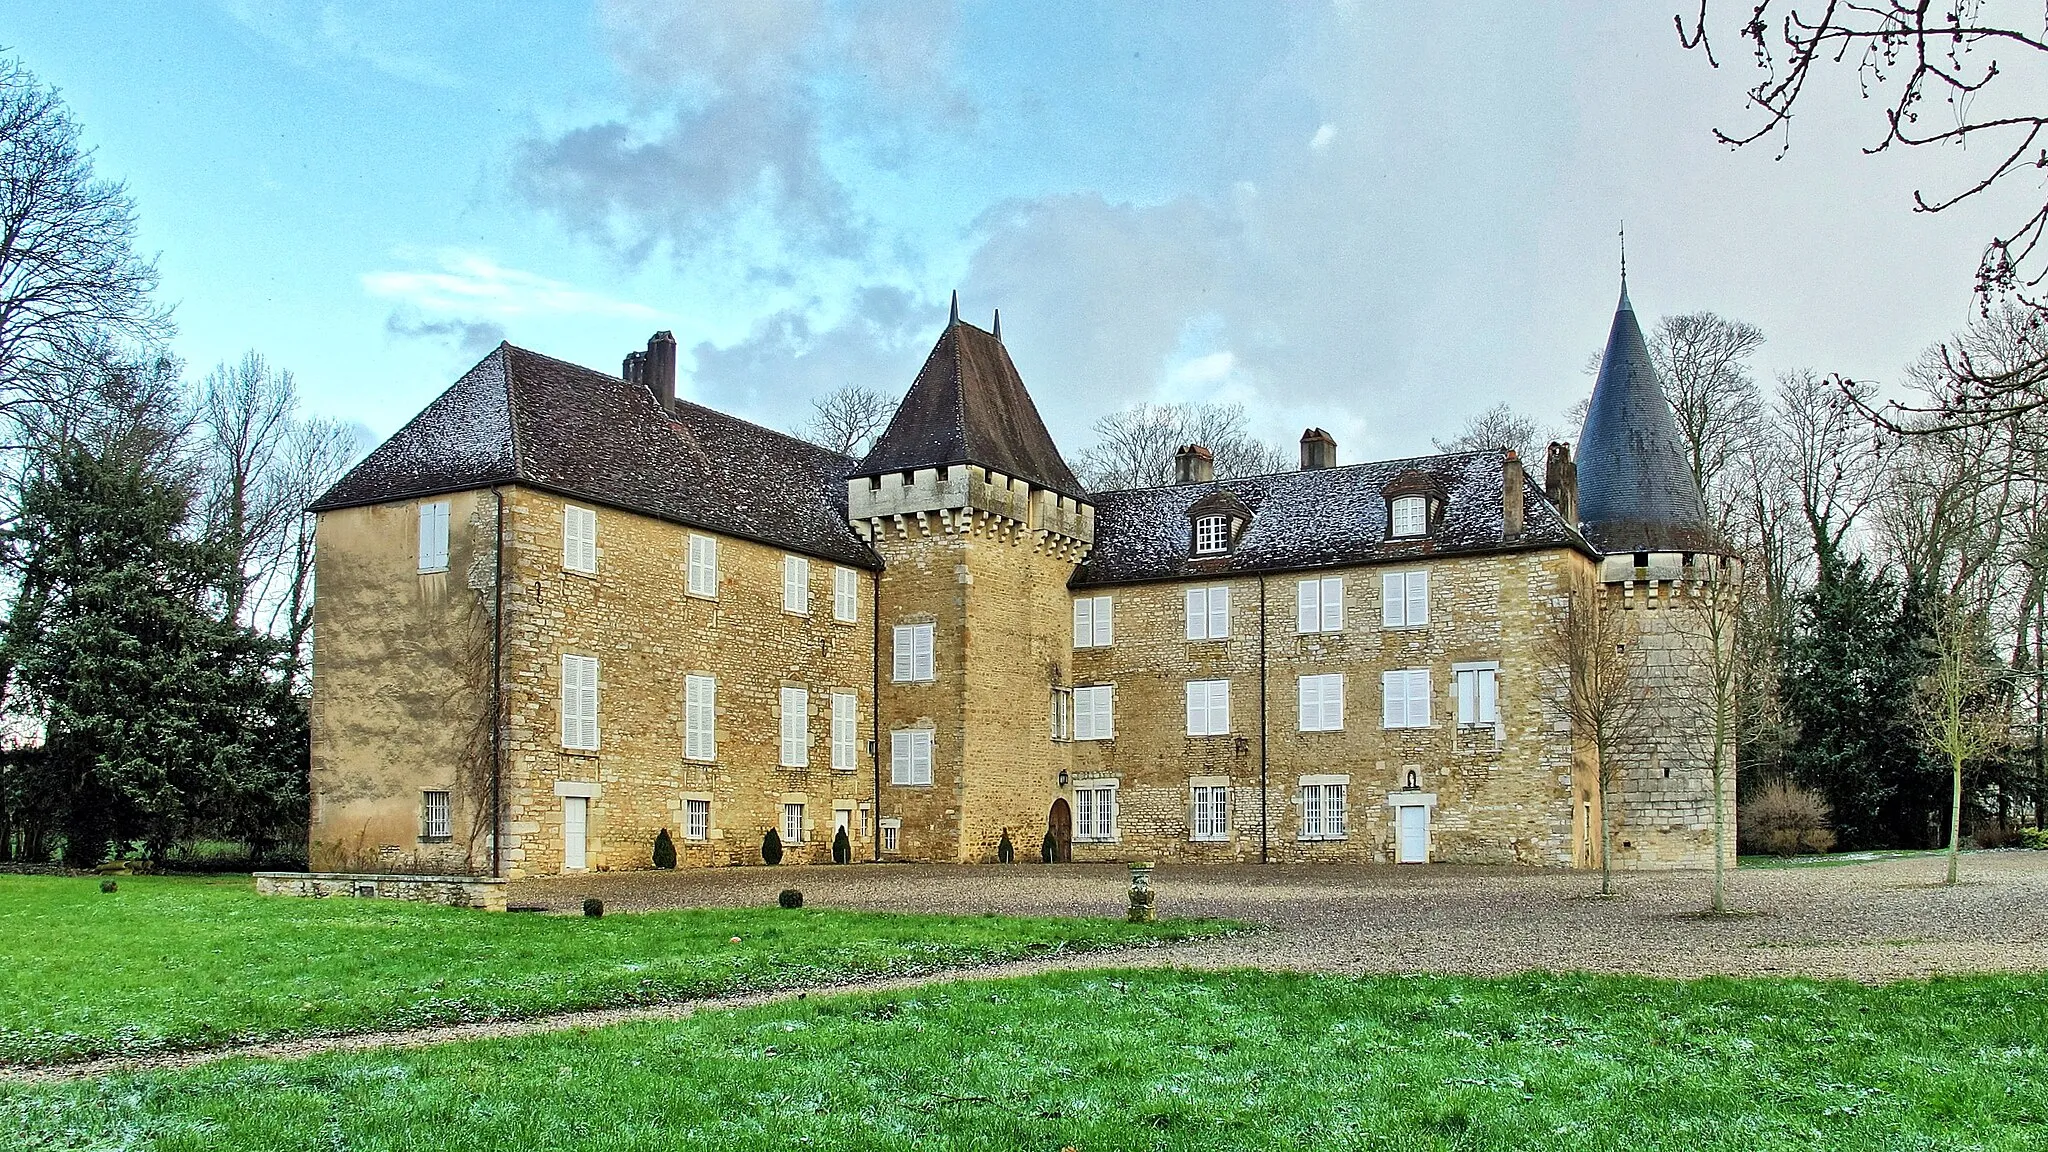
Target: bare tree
(1604, 698)
(1707, 618)
(1831, 455)
(1701, 358)
(1498, 427)
(70, 280)
(848, 419)
(1135, 448)
(1959, 716)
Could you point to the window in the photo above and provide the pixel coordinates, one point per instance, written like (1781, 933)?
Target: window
(845, 595)
(792, 823)
(1062, 713)
(1092, 718)
(1208, 707)
(1404, 599)
(1208, 613)
(696, 819)
(913, 653)
(891, 833)
(1410, 516)
(1320, 605)
(910, 756)
(1478, 695)
(434, 822)
(1212, 535)
(1211, 812)
(1404, 698)
(796, 585)
(845, 721)
(579, 539)
(1322, 810)
(434, 536)
(703, 566)
(796, 728)
(863, 821)
(1091, 622)
(700, 718)
(1322, 703)
(579, 703)
(1095, 812)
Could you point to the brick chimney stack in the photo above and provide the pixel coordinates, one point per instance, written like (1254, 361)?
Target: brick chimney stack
(1514, 489)
(659, 368)
(1561, 481)
(1318, 450)
(1193, 464)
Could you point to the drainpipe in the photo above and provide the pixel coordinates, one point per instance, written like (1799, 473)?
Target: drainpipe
(1263, 822)
(497, 685)
(875, 721)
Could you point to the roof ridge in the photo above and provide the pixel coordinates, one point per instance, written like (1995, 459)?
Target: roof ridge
(511, 408)
(1301, 471)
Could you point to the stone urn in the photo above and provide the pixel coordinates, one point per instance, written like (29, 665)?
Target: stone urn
(1141, 892)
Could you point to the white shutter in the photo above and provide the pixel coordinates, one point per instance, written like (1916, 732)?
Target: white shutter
(1219, 613)
(1418, 697)
(579, 538)
(899, 757)
(921, 756)
(1393, 700)
(845, 595)
(1393, 600)
(796, 736)
(1333, 603)
(703, 575)
(579, 702)
(700, 711)
(1418, 599)
(1333, 702)
(1084, 713)
(1308, 702)
(1084, 626)
(845, 710)
(796, 585)
(1489, 696)
(1308, 617)
(1198, 708)
(1219, 707)
(434, 536)
(903, 656)
(1102, 621)
(1197, 614)
(1468, 695)
(921, 652)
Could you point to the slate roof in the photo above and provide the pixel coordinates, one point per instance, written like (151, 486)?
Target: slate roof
(1326, 516)
(521, 417)
(1636, 491)
(969, 406)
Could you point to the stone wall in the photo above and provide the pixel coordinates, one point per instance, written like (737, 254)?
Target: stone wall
(485, 892)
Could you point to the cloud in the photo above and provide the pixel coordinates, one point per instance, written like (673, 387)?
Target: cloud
(468, 284)
(1320, 142)
(788, 359)
(307, 33)
(472, 338)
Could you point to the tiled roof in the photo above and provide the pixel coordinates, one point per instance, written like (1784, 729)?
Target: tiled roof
(1325, 516)
(969, 406)
(1636, 491)
(520, 417)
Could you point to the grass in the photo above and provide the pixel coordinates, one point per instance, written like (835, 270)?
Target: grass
(1108, 1060)
(169, 963)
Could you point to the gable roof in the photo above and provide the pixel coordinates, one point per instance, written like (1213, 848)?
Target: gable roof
(969, 406)
(1636, 491)
(521, 417)
(1318, 518)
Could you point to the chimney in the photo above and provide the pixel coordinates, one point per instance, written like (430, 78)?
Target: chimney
(1318, 450)
(1193, 464)
(1514, 484)
(1561, 481)
(634, 370)
(658, 368)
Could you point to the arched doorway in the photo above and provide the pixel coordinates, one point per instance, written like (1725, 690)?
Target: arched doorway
(1061, 821)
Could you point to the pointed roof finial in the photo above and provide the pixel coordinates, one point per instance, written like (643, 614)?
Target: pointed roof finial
(1624, 268)
(999, 326)
(956, 307)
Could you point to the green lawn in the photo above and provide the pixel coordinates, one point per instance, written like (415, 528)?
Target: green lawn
(176, 963)
(1108, 1060)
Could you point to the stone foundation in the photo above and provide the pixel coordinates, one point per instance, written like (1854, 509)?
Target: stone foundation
(485, 892)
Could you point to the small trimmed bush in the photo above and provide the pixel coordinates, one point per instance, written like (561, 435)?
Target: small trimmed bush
(1784, 819)
(664, 850)
(771, 847)
(593, 907)
(790, 898)
(1006, 852)
(109, 886)
(842, 848)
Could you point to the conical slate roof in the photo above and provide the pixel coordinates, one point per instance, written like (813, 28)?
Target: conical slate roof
(1636, 491)
(969, 406)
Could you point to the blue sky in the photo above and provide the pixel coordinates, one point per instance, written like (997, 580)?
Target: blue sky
(1378, 218)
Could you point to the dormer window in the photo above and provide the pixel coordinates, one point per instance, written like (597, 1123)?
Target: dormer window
(1411, 516)
(1212, 535)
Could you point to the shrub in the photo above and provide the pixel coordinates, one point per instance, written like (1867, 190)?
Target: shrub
(790, 898)
(109, 886)
(664, 850)
(593, 907)
(842, 848)
(1784, 820)
(1047, 849)
(1006, 852)
(2034, 838)
(1997, 836)
(771, 847)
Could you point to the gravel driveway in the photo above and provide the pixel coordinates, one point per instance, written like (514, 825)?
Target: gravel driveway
(1884, 919)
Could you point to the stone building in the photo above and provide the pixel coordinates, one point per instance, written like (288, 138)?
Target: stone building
(561, 611)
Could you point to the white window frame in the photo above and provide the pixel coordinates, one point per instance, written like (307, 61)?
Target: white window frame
(910, 757)
(845, 731)
(1319, 702)
(1207, 613)
(579, 703)
(912, 654)
(437, 806)
(796, 728)
(1212, 535)
(1209, 813)
(1094, 618)
(793, 822)
(1477, 691)
(1325, 803)
(1095, 811)
(892, 833)
(1319, 605)
(1208, 707)
(845, 595)
(434, 536)
(1404, 599)
(696, 820)
(1404, 698)
(1062, 714)
(700, 718)
(1408, 517)
(1094, 712)
(702, 576)
(796, 585)
(579, 539)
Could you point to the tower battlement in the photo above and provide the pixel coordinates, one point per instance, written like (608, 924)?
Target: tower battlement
(967, 498)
